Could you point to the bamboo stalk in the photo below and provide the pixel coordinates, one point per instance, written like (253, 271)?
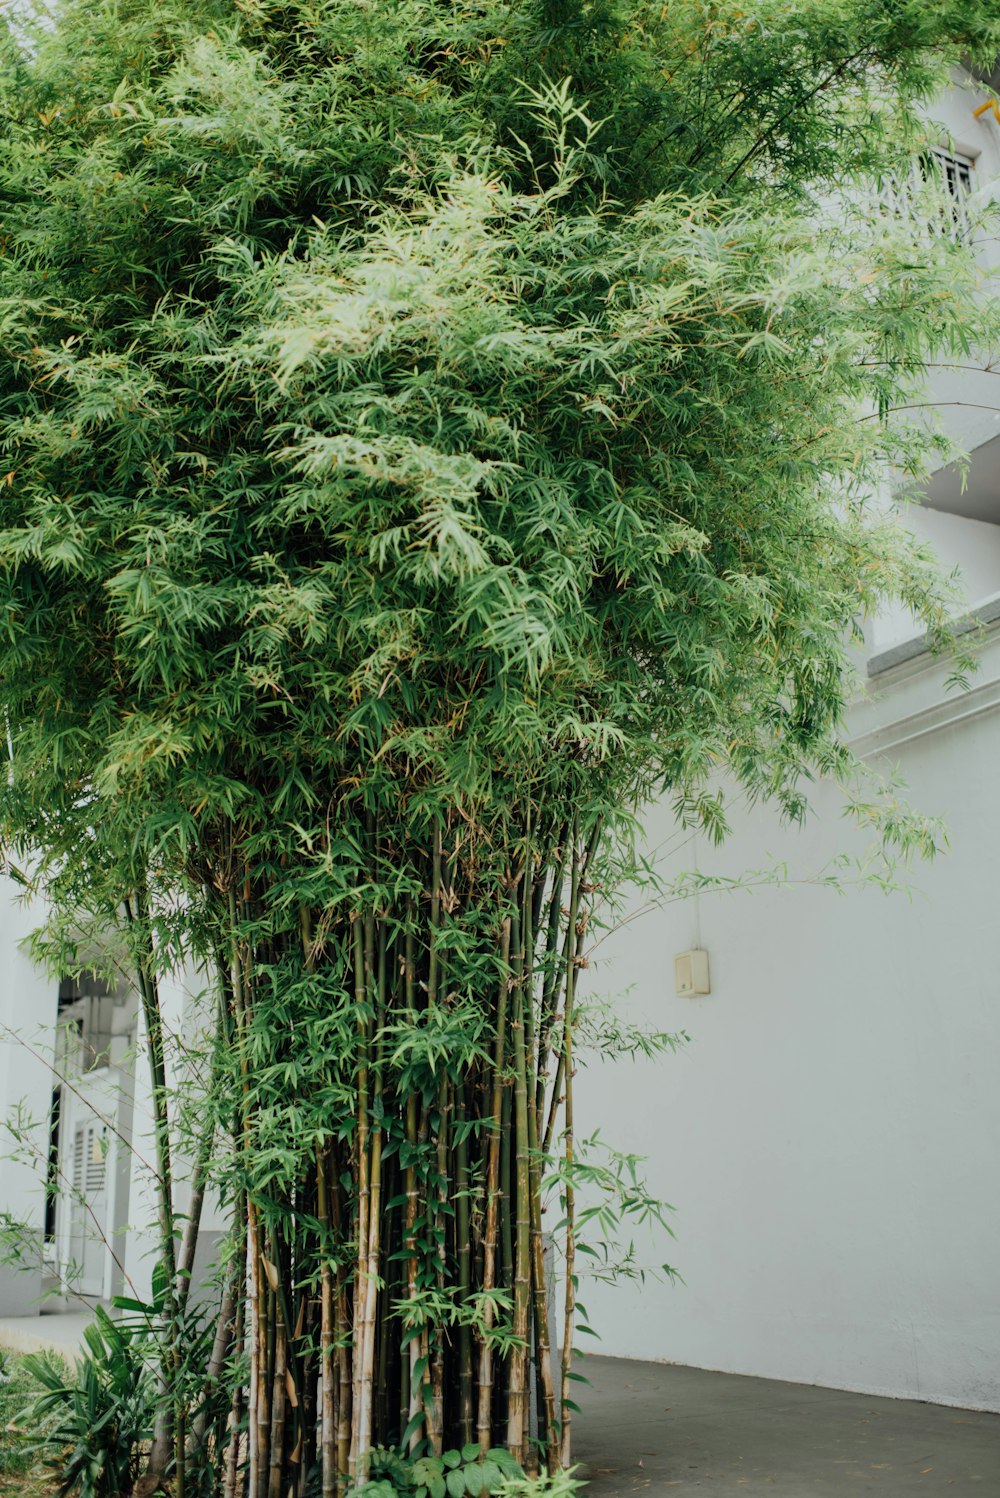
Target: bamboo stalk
(435, 918)
(257, 1389)
(362, 1167)
(543, 1351)
(232, 1458)
(412, 1353)
(267, 1391)
(253, 1299)
(196, 1203)
(328, 1439)
(404, 1392)
(540, 1299)
(565, 1412)
(436, 1412)
(484, 1422)
(505, 1196)
(572, 958)
(343, 1344)
(385, 1324)
(225, 1337)
(306, 1451)
(380, 1330)
(413, 1346)
(369, 1296)
(464, 1259)
(276, 1435)
(165, 1433)
(552, 976)
(517, 1404)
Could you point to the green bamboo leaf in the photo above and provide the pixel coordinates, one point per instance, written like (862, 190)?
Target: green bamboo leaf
(414, 1424)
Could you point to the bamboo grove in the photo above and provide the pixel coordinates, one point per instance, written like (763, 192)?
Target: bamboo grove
(431, 1317)
(429, 432)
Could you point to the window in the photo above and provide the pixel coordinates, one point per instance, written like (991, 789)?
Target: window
(955, 172)
(933, 193)
(953, 175)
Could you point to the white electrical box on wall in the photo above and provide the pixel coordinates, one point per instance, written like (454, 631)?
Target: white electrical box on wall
(691, 973)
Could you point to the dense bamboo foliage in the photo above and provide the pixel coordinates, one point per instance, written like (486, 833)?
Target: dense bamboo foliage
(430, 431)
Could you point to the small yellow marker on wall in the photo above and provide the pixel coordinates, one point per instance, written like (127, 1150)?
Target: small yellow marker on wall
(990, 107)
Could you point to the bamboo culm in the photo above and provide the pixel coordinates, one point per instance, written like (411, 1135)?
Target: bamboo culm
(431, 1176)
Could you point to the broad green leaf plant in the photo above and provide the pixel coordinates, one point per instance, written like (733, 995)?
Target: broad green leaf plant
(429, 432)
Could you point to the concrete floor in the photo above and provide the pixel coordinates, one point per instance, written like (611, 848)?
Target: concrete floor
(654, 1429)
(62, 1332)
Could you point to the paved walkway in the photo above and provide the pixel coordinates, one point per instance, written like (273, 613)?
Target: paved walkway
(60, 1332)
(653, 1429)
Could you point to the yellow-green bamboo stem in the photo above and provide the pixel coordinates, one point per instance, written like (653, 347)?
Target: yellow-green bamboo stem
(366, 1352)
(412, 1350)
(168, 1412)
(231, 1466)
(484, 1419)
(343, 1344)
(572, 961)
(464, 1257)
(363, 1185)
(436, 1412)
(565, 1411)
(517, 1404)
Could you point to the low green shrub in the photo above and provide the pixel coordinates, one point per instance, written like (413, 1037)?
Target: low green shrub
(21, 1443)
(458, 1474)
(98, 1417)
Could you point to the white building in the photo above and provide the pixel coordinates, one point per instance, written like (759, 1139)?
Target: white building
(74, 1080)
(829, 1137)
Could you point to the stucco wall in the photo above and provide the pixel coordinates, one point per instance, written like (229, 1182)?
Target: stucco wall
(27, 1019)
(971, 546)
(830, 1136)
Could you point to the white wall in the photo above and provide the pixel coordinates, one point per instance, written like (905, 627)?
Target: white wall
(28, 1002)
(830, 1136)
(971, 546)
(118, 1096)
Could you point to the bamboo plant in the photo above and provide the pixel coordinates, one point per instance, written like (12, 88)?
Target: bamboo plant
(431, 432)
